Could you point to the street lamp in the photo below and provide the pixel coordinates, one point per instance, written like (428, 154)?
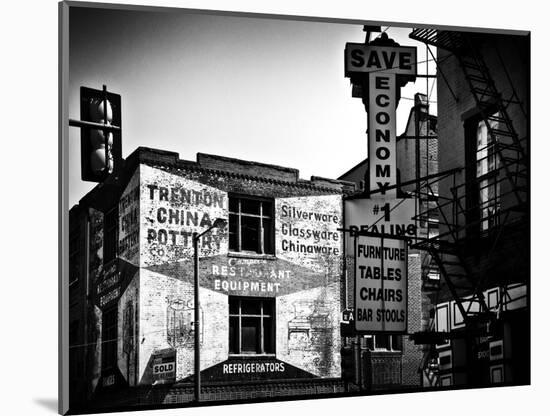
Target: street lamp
(218, 223)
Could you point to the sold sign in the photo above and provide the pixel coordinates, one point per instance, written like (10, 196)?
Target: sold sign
(164, 368)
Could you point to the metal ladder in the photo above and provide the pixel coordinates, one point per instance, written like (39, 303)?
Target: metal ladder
(493, 109)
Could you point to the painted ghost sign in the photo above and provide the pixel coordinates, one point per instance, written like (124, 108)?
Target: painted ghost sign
(128, 232)
(173, 208)
(301, 277)
(307, 230)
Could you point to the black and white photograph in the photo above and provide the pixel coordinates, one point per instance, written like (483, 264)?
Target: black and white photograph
(263, 208)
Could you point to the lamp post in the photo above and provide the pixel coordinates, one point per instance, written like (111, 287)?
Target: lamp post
(218, 223)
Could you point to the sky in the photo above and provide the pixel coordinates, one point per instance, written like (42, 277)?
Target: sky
(259, 89)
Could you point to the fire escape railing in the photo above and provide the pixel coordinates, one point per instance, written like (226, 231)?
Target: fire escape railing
(463, 215)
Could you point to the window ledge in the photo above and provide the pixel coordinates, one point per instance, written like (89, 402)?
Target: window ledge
(250, 255)
(251, 356)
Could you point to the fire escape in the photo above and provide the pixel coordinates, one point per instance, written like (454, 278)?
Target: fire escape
(457, 214)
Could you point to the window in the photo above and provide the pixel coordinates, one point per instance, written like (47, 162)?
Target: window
(383, 342)
(109, 339)
(111, 235)
(251, 326)
(487, 165)
(442, 317)
(251, 225)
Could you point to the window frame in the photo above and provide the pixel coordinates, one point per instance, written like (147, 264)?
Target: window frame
(264, 350)
(482, 163)
(487, 178)
(264, 246)
(393, 342)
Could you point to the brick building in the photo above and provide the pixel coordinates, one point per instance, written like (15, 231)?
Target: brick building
(481, 310)
(271, 290)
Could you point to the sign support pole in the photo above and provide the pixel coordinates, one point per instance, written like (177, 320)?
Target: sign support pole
(218, 223)
(197, 322)
(377, 70)
(382, 281)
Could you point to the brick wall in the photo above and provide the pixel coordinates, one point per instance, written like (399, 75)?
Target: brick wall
(184, 393)
(129, 214)
(128, 331)
(303, 274)
(412, 354)
(422, 123)
(245, 167)
(157, 294)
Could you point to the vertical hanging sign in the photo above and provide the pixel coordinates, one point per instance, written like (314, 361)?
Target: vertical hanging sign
(382, 133)
(378, 69)
(382, 222)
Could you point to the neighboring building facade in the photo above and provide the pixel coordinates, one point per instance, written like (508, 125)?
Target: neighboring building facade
(78, 308)
(394, 359)
(271, 290)
(482, 250)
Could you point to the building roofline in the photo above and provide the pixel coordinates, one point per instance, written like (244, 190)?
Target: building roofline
(247, 162)
(229, 167)
(233, 167)
(299, 183)
(364, 161)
